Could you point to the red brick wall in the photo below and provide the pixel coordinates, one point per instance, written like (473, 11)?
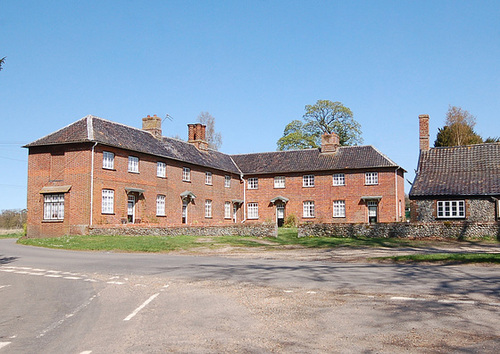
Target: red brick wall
(324, 193)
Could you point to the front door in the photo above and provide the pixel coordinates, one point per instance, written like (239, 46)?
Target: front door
(280, 214)
(372, 212)
(235, 209)
(131, 209)
(184, 211)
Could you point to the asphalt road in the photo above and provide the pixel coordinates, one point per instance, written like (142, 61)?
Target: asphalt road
(55, 301)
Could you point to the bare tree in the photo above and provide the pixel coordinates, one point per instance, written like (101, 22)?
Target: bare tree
(461, 127)
(2, 61)
(214, 138)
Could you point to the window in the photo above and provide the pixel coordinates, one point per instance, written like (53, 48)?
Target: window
(53, 207)
(279, 182)
(253, 210)
(371, 178)
(133, 164)
(308, 181)
(308, 209)
(208, 178)
(108, 160)
(227, 181)
(339, 209)
(339, 179)
(208, 208)
(451, 209)
(108, 198)
(160, 205)
(161, 169)
(253, 183)
(186, 174)
(227, 210)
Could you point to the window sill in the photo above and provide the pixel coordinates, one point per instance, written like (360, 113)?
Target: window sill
(109, 169)
(257, 218)
(185, 180)
(307, 186)
(53, 221)
(136, 172)
(161, 216)
(308, 217)
(108, 213)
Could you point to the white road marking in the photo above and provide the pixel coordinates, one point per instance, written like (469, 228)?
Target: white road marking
(4, 286)
(72, 278)
(288, 291)
(164, 287)
(446, 301)
(136, 311)
(86, 352)
(53, 275)
(402, 298)
(61, 321)
(494, 304)
(311, 292)
(4, 344)
(115, 282)
(7, 270)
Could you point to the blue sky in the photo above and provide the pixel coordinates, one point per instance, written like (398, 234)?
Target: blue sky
(253, 65)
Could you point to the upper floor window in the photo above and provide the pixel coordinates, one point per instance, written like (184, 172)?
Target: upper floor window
(133, 164)
(186, 174)
(161, 169)
(208, 178)
(253, 183)
(308, 181)
(339, 179)
(108, 160)
(371, 178)
(208, 208)
(160, 205)
(339, 209)
(451, 209)
(227, 181)
(53, 207)
(253, 210)
(279, 182)
(108, 201)
(308, 209)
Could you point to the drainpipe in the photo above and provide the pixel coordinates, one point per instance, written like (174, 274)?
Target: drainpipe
(398, 217)
(92, 184)
(244, 199)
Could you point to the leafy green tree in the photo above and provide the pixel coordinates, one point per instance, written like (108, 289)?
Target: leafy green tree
(297, 136)
(458, 130)
(213, 138)
(323, 117)
(2, 61)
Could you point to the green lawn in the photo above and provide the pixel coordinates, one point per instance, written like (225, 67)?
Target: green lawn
(448, 258)
(11, 235)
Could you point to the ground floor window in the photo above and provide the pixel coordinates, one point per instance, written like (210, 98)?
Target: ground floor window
(227, 210)
(339, 209)
(208, 208)
(308, 209)
(160, 205)
(451, 209)
(253, 210)
(53, 207)
(108, 201)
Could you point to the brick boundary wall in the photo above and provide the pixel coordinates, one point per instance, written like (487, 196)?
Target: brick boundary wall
(266, 230)
(442, 230)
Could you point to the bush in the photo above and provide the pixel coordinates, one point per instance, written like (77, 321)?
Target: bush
(291, 221)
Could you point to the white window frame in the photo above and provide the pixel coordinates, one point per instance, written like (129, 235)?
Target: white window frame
(133, 164)
(339, 179)
(252, 210)
(308, 209)
(160, 205)
(371, 178)
(227, 181)
(279, 182)
(227, 210)
(53, 206)
(253, 183)
(498, 208)
(339, 208)
(186, 174)
(450, 209)
(208, 178)
(108, 201)
(161, 169)
(308, 181)
(108, 160)
(208, 208)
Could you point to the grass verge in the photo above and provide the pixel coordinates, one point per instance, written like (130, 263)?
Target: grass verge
(460, 258)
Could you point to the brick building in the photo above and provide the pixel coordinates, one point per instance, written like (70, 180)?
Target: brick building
(94, 172)
(456, 183)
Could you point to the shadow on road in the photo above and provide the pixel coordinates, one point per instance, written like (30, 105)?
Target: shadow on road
(7, 260)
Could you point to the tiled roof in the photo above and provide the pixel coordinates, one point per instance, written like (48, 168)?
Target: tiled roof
(94, 129)
(347, 157)
(458, 170)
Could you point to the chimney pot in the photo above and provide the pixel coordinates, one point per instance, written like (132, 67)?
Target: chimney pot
(196, 136)
(152, 125)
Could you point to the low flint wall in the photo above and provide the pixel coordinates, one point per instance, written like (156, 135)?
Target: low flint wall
(441, 230)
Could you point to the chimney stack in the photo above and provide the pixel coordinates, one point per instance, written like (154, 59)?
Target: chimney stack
(152, 125)
(424, 131)
(196, 136)
(329, 143)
